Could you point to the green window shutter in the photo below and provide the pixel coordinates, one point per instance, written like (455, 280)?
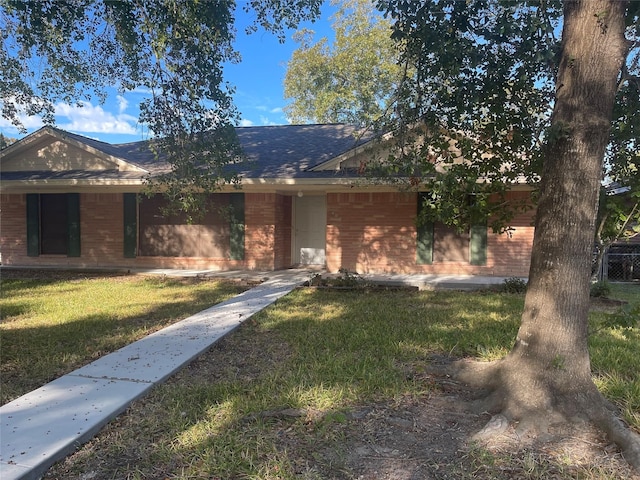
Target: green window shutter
(478, 245)
(130, 203)
(33, 224)
(236, 239)
(424, 247)
(73, 224)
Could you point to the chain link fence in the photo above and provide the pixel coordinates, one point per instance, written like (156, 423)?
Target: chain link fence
(620, 266)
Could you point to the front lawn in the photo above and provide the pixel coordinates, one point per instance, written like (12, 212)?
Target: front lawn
(52, 323)
(333, 384)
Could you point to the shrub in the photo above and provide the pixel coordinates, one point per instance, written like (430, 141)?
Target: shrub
(600, 289)
(514, 285)
(348, 279)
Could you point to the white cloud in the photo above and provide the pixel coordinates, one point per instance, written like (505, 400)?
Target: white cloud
(30, 122)
(86, 118)
(141, 91)
(276, 110)
(90, 118)
(122, 103)
(246, 123)
(266, 121)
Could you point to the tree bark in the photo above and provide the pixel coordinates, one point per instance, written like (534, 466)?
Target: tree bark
(547, 374)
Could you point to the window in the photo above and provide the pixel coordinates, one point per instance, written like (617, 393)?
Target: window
(439, 243)
(219, 234)
(53, 224)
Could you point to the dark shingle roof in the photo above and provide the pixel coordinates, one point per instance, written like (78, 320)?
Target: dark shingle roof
(70, 175)
(284, 151)
(289, 151)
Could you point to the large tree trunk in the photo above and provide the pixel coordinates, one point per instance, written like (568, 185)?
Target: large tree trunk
(547, 375)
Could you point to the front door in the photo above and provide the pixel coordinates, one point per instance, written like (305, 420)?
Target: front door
(310, 224)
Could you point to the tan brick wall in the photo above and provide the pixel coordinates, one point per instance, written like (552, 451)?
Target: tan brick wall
(13, 228)
(510, 254)
(101, 233)
(366, 232)
(282, 240)
(260, 227)
(101, 227)
(375, 233)
(371, 232)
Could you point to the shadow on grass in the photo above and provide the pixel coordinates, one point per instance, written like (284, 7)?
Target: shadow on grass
(297, 390)
(38, 347)
(322, 355)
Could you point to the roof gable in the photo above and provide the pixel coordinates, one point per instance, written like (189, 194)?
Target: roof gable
(53, 150)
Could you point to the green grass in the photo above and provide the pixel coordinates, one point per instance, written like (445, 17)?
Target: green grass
(615, 357)
(321, 352)
(52, 326)
(629, 292)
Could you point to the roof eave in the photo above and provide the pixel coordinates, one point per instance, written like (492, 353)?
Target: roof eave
(35, 186)
(123, 165)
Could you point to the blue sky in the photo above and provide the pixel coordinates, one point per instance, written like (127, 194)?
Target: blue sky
(258, 80)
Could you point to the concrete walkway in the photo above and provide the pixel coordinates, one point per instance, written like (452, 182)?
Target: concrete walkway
(44, 426)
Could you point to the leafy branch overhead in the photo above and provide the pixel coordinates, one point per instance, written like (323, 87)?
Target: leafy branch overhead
(174, 52)
(469, 101)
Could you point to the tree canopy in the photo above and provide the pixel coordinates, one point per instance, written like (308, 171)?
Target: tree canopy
(71, 51)
(474, 80)
(350, 79)
(484, 81)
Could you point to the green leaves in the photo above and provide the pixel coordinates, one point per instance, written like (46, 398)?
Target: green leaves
(478, 97)
(349, 80)
(62, 51)
(476, 100)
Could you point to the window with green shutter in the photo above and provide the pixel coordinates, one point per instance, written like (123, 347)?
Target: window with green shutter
(236, 238)
(53, 224)
(478, 245)
(424, 246)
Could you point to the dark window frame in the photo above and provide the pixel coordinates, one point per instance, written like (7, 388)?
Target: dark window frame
(45, 236)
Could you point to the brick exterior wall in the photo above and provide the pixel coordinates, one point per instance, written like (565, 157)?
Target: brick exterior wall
(509, 254)
(102, 239)
(260, 228)
(366, 233)
(13, 229)
(371, 232)
(283, 232)
(376, 233)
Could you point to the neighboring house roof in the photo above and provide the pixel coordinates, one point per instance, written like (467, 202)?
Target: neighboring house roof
(276, 152)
